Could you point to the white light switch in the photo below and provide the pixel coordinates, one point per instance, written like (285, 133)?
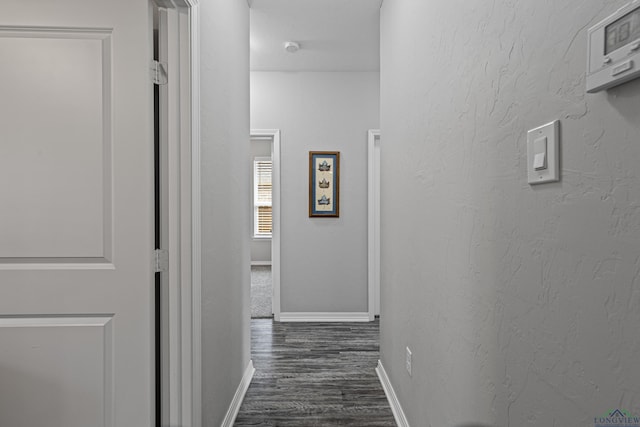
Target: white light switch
(540, 153)
(539, 161)
(543, 153)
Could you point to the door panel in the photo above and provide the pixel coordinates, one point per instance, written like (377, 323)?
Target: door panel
(59, 369)
(55, 151)
(76, 214)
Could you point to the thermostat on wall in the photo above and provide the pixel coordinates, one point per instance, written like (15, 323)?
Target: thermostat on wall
(613, 55)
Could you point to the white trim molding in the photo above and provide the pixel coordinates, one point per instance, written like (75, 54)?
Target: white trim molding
(258, 263)
(274, 136)
(323, 317)
(196, 218)
(232, 412)
(179, 48)
(398, 413)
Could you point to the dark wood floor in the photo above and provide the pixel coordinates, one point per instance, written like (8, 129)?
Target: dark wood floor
(314, 374)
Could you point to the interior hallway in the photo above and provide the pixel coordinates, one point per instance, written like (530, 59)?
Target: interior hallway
(520, 303)
(315, 374)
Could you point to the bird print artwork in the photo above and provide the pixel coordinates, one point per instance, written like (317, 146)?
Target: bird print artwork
(324, 166)
(324, 200)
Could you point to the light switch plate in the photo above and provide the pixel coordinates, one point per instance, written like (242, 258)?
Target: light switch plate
(552, 171)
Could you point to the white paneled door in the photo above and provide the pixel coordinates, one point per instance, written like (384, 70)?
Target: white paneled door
(76, 218)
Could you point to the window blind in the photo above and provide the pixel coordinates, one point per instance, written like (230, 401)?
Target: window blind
(262, 172)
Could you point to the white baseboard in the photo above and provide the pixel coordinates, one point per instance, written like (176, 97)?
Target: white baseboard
(398, 413)
(232, 412)
(323, 317)
(260, 263)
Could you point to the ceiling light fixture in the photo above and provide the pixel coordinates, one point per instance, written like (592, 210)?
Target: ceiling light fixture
(292, 47)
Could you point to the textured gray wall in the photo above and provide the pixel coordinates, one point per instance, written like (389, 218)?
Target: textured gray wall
(323, 260)
(225, 202)
(521, 304)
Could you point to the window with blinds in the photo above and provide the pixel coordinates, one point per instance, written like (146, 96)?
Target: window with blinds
(262, 211)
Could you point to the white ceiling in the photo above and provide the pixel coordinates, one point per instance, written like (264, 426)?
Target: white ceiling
(334, 35)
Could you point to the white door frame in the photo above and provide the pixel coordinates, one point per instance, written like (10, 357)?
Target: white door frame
(274, 136)
(181, 110)
(373, 245)
(192, 329)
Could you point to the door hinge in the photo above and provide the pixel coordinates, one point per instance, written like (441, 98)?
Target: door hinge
(160, 260)
(159, 74)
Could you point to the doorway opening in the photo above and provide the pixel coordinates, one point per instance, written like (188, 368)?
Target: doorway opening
(265, 242)
(262, 189)
(373, 150)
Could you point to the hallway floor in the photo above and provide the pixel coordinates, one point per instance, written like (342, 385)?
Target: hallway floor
(315, 374)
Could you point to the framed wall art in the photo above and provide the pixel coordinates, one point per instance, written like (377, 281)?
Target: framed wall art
(324, 184)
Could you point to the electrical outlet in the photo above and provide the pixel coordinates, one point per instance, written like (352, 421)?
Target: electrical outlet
(408, 361)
